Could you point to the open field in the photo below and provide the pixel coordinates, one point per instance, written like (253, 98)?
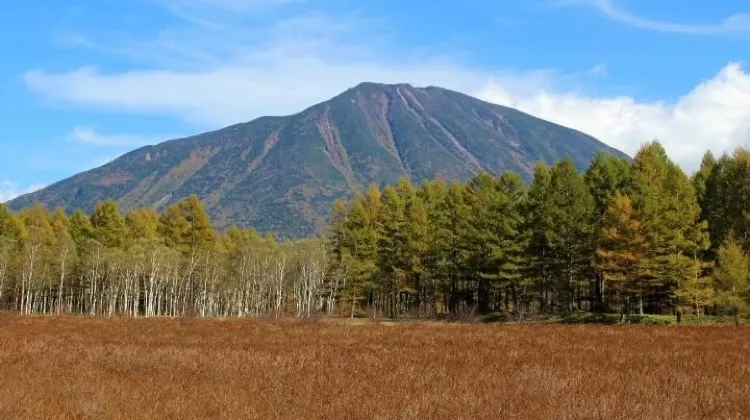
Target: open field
(98, 368)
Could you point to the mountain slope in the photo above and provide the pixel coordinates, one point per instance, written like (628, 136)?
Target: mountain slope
(280, 174)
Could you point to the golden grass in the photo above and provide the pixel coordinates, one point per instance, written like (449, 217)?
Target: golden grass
(96, 368)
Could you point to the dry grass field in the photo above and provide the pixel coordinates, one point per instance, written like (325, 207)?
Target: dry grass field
(96, 368)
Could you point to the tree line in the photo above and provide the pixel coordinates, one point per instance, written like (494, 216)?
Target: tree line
(630, 236)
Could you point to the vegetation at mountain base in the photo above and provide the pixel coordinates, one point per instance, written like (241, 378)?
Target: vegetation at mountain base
(159, 368)
(280, 174)
(625, 237)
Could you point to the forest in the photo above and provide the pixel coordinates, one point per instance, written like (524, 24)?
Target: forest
(625, 236)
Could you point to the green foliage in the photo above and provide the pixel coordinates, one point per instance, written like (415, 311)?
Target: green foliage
(732, 277)
(187, 227)
(569, 247)
(108, 225)
(81, 229)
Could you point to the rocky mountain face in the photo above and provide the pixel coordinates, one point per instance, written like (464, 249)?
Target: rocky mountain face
(280, 174)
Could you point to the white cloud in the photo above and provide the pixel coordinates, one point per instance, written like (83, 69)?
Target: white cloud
(89, 135)
(10, 190)
(209, 14)
(241, 73)
(735, 24)
(714, 115)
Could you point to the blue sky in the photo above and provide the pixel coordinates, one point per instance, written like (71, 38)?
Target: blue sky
(84, 81)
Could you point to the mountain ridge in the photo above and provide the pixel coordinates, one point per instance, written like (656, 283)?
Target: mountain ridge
(280, 173)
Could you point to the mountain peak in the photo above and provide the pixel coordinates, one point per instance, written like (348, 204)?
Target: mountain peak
(281, 174)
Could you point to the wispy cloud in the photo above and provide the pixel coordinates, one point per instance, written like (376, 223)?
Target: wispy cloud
(89, 135)
(229, 5)
(211, 14)
(304, 59)
(736, 24)
(10, 190)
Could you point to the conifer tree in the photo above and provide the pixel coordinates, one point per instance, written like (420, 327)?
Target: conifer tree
(415, 250)
(81, 229)
(621, 250)
(538, 225)
(142, 224)
(108, 225)
(667, 205)
(731, 278)
(12, 231)
(391, 243)
(606, 176)
(571, 233)
(361, 241)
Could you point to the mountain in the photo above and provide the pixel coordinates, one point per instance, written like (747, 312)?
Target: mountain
(280, 174)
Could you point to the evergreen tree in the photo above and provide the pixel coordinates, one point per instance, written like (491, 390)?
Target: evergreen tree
(607, 176)
(539, 224)
(571, 232)
(700, 180)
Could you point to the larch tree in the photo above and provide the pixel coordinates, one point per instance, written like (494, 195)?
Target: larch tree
(538, 225)
(621, 250)
(731, 279)
(571, 231)
(12, 231)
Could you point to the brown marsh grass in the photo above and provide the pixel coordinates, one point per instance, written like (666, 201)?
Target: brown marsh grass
(97, 368)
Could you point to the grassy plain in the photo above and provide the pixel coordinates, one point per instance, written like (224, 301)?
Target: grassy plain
(98, 368)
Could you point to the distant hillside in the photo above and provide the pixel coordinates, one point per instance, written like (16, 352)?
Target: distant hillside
(280, 174)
